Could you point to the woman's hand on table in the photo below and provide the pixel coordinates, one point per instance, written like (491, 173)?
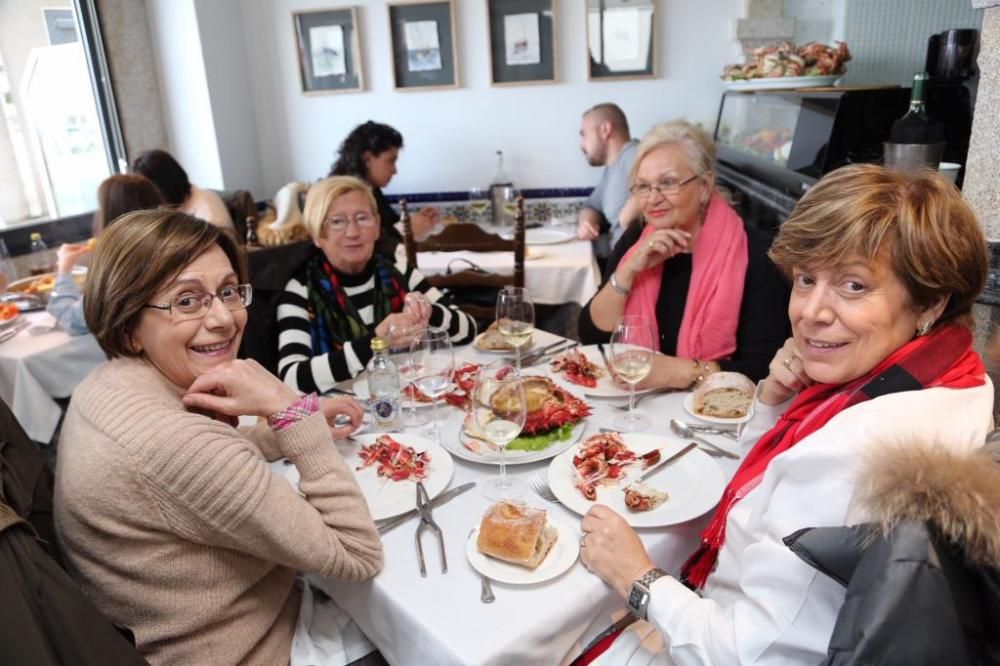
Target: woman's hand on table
(588, 229)
(68, 254)
(786, 375)
(666, 372)
(651, 251)
(611, 549)
(334, 407)
(239, 388)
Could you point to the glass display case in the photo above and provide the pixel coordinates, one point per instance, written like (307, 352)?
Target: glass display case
(787, 139)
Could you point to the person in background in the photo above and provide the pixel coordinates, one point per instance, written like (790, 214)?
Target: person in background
(169, 515)
(346, 293)
(609, 210)
(117, 195)
(370, 152)
(886, 267)
(693, 268)
(161, 168)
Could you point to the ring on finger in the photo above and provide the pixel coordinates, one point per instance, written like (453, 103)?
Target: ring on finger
(788, 362)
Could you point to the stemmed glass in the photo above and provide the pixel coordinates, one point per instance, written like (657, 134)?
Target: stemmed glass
(479, 201)
(499, 408)
(433, 361)
(632, 359)
(401, 337)
(515, 317)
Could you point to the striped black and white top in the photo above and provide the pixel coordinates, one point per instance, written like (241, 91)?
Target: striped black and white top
(306, 373)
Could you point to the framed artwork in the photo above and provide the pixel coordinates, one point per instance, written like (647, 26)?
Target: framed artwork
(423, 45)
(522, 41)
(329, 50)
(621, 39)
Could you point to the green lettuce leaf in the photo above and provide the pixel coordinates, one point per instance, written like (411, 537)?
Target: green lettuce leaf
(543, 440)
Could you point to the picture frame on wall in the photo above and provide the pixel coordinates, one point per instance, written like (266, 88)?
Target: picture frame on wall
(424, 51)
(621, 39)
(522, 41)
(329, 50)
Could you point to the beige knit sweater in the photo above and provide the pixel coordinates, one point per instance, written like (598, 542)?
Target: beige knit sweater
(174, 525)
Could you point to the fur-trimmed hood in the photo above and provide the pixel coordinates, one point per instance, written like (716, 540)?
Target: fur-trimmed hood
(956, 492)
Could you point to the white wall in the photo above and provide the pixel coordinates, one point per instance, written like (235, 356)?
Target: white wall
(451, 135)
(173, 27)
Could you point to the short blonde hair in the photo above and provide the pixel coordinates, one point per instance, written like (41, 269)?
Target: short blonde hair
(697, 144)
(322, 194)
(136, 258)
(916, 223)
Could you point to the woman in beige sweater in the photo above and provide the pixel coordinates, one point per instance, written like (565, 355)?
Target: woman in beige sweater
(170, 517)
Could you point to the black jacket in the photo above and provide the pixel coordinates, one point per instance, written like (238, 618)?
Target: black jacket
(923, 579)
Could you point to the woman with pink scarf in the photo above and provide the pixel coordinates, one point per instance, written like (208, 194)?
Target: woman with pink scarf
(694, 269)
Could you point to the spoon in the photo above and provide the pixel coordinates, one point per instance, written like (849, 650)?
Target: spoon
(486, 590)
(682, 429)
(711, 430)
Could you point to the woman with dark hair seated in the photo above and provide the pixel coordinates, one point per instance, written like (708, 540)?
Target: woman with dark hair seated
(370, 152)
(169, 515)
(161, 168)
(345, 293)
(885, 269)
(117, 195)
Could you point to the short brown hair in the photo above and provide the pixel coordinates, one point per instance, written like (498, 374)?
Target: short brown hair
(322, 195)
(612, 113)
(135, 259)
(916, 223)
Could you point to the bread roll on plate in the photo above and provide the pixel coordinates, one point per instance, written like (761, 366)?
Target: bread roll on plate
(516, 533)
(726, 395)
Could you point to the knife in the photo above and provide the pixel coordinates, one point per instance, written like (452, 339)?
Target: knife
(12, 332)
(390, 523)
(663, 463)
(537, 353)
(535, 360)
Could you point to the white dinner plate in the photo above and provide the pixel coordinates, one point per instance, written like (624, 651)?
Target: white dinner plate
(390, 498)
(548, 236)
(563, 555)
(783, 82)
(694, 483)
(689, 408)
(474, 450)
(606, 387)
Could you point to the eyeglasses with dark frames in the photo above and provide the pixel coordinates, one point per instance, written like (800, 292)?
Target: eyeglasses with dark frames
(666, 188)
(196, 305)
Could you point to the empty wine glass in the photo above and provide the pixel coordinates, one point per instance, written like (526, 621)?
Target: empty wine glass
(433, 361)
(499, 408)
(632, 359)
(515, 318)
(401, 338)
(479, 201)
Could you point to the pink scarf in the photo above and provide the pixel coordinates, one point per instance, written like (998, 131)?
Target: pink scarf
(718, 272)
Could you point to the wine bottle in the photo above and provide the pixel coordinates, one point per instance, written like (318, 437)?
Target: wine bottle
(916, 126)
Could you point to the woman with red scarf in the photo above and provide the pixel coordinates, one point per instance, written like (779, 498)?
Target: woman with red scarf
(885, 267)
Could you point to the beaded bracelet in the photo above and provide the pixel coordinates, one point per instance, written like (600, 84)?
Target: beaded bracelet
(706, 370)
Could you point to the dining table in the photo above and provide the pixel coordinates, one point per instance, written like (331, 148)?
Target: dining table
(39, 365)
(440, 618)
(558, 268)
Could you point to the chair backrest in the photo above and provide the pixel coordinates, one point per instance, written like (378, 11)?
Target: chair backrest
(473, 289)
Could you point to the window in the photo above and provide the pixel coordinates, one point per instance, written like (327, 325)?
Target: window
(56, 115)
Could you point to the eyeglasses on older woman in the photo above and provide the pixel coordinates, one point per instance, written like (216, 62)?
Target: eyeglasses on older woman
(339, 224)
(665, 188)
(186, 306)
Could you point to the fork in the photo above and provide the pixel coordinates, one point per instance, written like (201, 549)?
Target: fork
(486, 588)
(541, 487)
(640, 398)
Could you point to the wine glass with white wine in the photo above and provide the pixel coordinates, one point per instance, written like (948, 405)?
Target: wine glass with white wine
(632, 359)
(515, 318)
(499, 409)
(433, 361)
(479, 201)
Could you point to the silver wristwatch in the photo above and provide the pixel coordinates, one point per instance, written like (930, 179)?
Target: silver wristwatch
(638, 596)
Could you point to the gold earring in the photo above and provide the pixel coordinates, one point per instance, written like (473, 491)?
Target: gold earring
(924, 328)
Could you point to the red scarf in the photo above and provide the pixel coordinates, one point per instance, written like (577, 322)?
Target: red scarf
(943, 358)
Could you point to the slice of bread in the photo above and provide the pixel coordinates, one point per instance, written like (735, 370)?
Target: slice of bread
(725, 395)
(516, 533)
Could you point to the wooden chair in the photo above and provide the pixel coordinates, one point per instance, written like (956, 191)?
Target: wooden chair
(474, 289)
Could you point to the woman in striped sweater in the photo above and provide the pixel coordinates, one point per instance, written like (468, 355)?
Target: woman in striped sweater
(345, 293)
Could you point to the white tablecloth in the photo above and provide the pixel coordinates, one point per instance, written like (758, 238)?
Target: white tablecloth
(440, 619)
(42, 363)
(555, 274)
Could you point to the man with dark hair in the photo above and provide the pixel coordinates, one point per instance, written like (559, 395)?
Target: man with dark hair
(605, 141)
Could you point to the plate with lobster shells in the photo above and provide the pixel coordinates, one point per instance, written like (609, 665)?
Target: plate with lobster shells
(693, 484)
